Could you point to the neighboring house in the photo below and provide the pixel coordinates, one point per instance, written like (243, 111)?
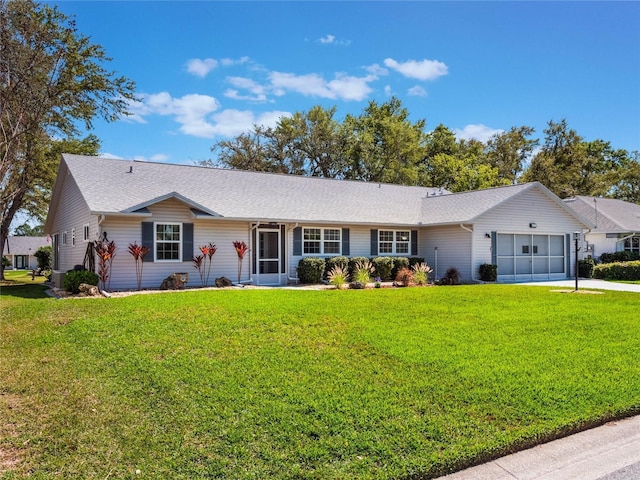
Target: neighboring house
(616, 224)
(174, 209)
(21, 250)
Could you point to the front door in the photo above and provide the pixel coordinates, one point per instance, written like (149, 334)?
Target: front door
(269, 254)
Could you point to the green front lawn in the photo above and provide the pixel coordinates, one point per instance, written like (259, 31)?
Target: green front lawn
(388, 383)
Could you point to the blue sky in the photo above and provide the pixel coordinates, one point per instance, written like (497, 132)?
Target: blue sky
(210, 70)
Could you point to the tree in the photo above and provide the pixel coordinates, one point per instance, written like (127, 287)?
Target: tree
(626, 184)
(384, 145)
(26, 230)
(51, 82)
(509, 151)
(568, 165)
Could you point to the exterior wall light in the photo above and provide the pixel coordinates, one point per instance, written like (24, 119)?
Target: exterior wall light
(533, 225)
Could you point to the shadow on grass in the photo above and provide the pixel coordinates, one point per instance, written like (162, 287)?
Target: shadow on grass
(22, 290)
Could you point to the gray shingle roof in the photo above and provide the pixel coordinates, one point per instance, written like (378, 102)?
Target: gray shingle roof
(120, 186)
(24, 245)
(610, 215)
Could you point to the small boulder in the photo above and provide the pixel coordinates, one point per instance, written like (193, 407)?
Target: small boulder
(88, 290)
(175, 281)
(223, 282)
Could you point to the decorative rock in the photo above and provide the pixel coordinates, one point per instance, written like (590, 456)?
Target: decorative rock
(223, 282)
(175, 281)
(88, 290)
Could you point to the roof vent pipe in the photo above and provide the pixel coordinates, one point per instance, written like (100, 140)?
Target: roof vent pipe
(130, 169)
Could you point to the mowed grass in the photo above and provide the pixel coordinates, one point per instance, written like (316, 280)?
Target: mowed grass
(292, 384)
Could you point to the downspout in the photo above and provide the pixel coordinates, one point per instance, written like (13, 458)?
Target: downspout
(632, 234)
(289, 277)
(470, 230)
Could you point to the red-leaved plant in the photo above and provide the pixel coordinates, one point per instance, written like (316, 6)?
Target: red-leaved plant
(138, 252)
(202, 263)
(241, 250)
(105, 251)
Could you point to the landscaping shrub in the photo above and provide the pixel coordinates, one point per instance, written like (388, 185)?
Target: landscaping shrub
(333, 262)
(73, 279)
(404, 277)
(415, 261)
(421, 273)
(488, 272)
(383, 267)
(619, 257)
(617, 271)
(452, 277)
(338, 277)
(311, 270)
(585, 267)
(352, 264)
(44, 255)
(6, 262)
(398, 264)
(362, 272)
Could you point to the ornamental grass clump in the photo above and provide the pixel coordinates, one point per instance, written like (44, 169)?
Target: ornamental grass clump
(338, 277)
(362, 271)
(404, 277)
(421, 273)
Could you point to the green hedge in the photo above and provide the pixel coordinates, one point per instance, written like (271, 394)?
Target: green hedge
(73, 279)
(488, 272)
(311, 270)
(383, 268)
(618, 271)
(585, 267)
(619, 257)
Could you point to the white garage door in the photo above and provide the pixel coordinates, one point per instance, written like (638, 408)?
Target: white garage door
(531, 257)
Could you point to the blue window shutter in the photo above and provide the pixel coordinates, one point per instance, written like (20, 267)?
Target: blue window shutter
(147, 241)
(297, 241)
(374, 242)
(187, 242)
(283, 243)
(414, 243)
(494, 248)
(345, 242)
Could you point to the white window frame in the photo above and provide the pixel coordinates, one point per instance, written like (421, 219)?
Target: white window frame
(85, 232)
(390, 240)
(629, 244)
(156, 241)
(323, 241)
(64, 238)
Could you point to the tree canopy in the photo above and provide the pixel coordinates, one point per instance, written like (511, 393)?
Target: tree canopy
(52, 82)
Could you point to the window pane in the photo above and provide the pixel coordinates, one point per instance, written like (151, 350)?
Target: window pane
(402, 236)
(168, 251)
(523, 241)
(505, 244)
(311, 247)
(332, 234)
(505, 266)
(385, 236)
(541, 245)
(523, 266)
(556, 265)
(556, 243)
(386, 247)
(402, 248)
(331, 247)
(312, 234)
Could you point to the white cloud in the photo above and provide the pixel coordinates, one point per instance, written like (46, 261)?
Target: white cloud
(228, 62)
(421, 70)
(201, 67)
(388, 91)
(110, 155)
(190, 111)
(477, 132)
(343, 87)
(376, 69)
(328, 39)
(332, 40)
(258, 92)
(417, 91)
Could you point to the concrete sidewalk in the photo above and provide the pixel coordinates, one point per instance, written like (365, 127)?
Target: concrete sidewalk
(608, 452)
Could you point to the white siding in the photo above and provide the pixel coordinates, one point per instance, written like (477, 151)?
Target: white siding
(72, 213)
(454, 250)
(532, 206)
(125, 231)
(602, 244)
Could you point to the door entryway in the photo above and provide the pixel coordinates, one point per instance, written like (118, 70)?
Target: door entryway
(269, 264)
(524, 257)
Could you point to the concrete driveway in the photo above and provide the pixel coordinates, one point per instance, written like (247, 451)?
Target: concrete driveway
(590, 283)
